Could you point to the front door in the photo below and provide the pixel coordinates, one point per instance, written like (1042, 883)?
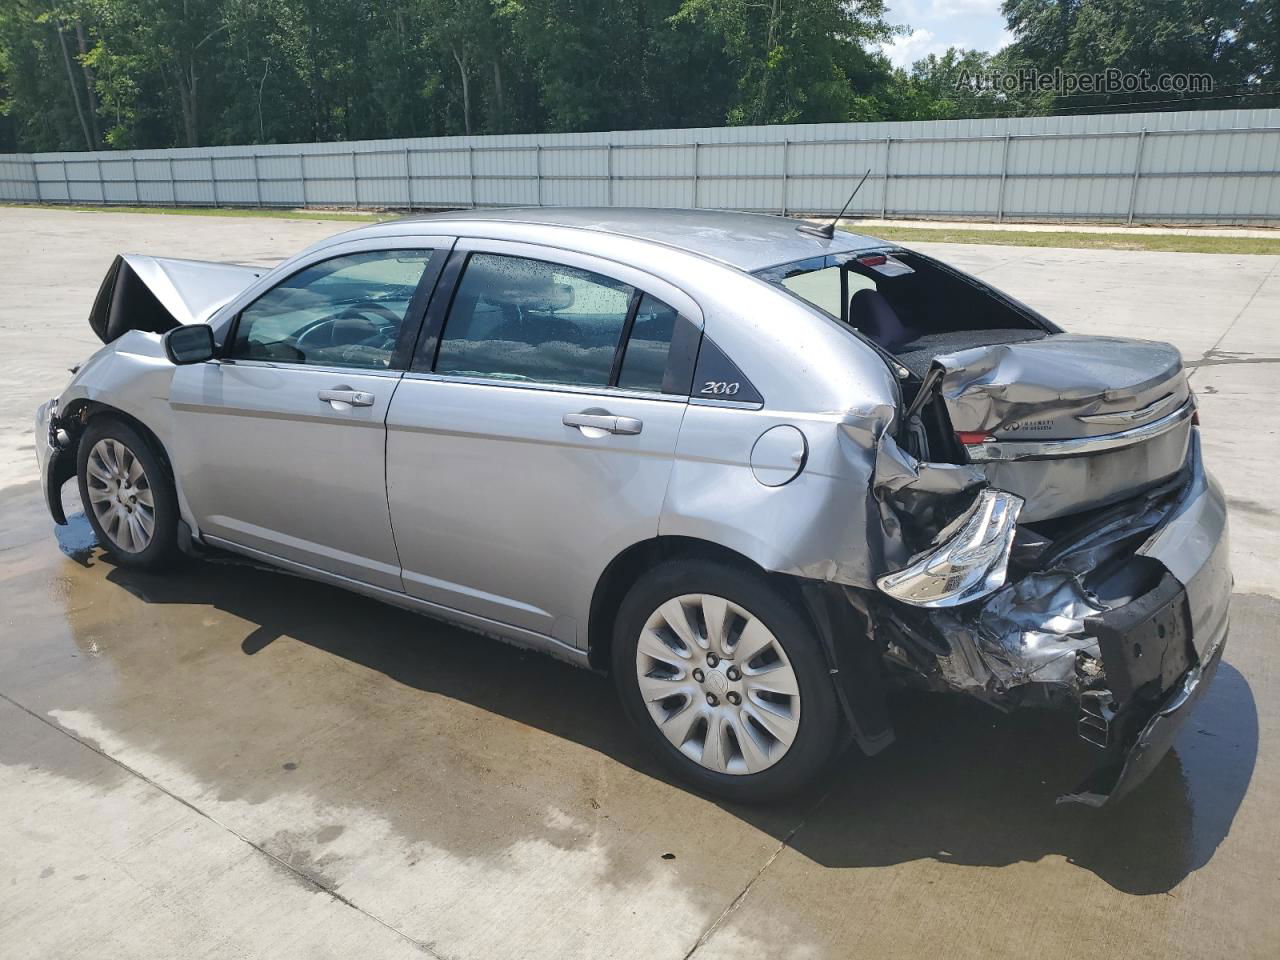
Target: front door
(281, 444)
(533, 440)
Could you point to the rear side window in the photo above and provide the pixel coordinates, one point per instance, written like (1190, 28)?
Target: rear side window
(526, 320)
(822, 287)
(644, 364)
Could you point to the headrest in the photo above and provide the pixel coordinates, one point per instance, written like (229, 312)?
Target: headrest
(870, 313)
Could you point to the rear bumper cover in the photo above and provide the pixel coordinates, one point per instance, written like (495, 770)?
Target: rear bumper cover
(1170, 640)
(1122, 618)
(1114, 779)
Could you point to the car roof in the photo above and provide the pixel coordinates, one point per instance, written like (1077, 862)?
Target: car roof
(747, 241)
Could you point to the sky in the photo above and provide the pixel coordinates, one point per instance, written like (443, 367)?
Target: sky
(936, 25)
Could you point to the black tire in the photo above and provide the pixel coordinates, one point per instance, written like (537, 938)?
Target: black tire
(161, 548)
(819, 732)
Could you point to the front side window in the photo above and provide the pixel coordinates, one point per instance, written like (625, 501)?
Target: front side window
(344, 312)
(526, 320)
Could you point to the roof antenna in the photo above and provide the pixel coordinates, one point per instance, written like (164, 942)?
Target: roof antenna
(828, 231)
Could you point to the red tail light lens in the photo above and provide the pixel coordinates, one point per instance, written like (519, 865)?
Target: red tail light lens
(970, 439)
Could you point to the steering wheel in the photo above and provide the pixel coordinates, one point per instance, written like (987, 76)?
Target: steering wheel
(320, 334)
(365, 307)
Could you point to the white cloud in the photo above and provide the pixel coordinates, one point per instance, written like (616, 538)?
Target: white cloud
(935, 25)
(905, 50)
(932, 10)
(962, 8)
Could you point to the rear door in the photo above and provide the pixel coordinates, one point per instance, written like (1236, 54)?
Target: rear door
(282, 440)
(533, 438)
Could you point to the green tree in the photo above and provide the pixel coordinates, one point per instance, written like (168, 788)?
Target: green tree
(1217, 38)
(944, 88)
(798, 60)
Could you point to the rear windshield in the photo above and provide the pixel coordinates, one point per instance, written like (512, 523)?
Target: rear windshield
(902, 301)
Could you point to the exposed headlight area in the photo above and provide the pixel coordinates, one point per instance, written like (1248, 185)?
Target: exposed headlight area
(970, 561)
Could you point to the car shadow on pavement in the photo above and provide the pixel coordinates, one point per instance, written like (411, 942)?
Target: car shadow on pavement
(963, 783)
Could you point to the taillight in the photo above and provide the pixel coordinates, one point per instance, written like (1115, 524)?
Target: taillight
(968, 566)
(971, 439)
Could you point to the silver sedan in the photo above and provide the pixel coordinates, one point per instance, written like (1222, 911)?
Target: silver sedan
(759, 472)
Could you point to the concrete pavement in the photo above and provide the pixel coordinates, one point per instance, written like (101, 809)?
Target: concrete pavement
(228, 762)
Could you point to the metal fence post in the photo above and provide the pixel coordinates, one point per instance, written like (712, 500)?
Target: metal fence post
(1137, 172)
(257, 182)
(35, 178)
(213, 180)
(102, 186)
(66, 180)
(786, 151)
(302, 177)
(408, 182)
(695, 174)
(1004, 173)
(133, 172)
(608, 166)
(173, 184)
(355, 181)
(471, 172)
(884, 194)
(537, 170)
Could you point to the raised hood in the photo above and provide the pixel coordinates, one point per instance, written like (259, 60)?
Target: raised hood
(1069, 421)
(156, 294)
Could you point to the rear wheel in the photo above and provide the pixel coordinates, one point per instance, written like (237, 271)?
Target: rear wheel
(725, 679)
(127, 494)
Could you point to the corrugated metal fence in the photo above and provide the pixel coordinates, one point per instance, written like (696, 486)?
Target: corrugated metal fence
(1195, 167)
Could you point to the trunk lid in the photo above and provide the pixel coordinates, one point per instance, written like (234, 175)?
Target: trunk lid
(1068, 422)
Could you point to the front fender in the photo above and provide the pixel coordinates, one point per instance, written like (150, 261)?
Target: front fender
(132, 376)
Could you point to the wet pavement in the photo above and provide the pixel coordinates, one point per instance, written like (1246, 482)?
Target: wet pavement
(228, 761)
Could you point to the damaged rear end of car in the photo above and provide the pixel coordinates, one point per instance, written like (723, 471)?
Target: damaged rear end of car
(1063, 546)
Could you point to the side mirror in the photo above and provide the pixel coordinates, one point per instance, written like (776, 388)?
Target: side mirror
(190, 344)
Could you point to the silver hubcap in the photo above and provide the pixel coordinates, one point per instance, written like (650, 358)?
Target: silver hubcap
(718, 684)
(120, 495)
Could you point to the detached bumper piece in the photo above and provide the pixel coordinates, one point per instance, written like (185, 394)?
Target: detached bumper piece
(1113, 780)
(57, 460)
(1155, 679)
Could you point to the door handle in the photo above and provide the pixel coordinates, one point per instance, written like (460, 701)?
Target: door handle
(356, 398)
(607, 422)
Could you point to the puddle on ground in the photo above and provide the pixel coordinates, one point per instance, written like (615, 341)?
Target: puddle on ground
(333, 729)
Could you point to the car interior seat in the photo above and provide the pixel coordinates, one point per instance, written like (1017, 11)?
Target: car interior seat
(871, 315)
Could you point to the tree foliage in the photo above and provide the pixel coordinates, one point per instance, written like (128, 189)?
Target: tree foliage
(81, 74)
(1231, 41)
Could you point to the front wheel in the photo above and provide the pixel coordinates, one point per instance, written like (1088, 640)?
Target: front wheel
(725, 679)
(127, 494)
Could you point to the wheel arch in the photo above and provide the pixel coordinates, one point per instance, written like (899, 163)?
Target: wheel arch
(623, 570)
(852, 660)
(83, 412)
